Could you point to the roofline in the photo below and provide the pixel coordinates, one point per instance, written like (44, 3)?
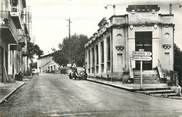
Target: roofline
(104, 18)
(44, 56)
(118, 16)
(166, 14)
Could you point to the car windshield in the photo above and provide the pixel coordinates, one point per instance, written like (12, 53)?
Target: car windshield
(80, 69)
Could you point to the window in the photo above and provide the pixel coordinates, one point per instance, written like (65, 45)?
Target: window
(93, 57)
(97, 59)
(108, 48)
(108, 53)
(14, 2)
(93, 60)
(102, 52)
(97, 54)
(89, 60)
(102, 56)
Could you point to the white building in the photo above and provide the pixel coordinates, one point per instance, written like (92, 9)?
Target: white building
(46, 64)
(13, 38)
(109, 51)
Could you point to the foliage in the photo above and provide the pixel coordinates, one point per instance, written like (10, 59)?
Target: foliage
(71, 50)
(33, 49)
(33, 65)
(178, 62)
(60, 58)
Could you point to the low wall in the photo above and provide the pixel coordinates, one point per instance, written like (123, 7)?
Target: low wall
(107, 76)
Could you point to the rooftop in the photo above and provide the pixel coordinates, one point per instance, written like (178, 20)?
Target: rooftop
(142, 8)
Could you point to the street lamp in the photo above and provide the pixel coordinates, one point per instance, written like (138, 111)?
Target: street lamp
(113, 6)
(180, 5)
(170, 7)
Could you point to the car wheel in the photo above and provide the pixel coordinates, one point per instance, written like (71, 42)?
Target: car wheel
(70, 76)
(85, 77)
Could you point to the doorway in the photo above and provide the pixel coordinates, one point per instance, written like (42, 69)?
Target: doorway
(1, 64)
(143, 40)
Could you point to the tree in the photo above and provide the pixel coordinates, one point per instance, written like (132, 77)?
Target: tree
(60, 58)
(71, 50)
(33, 49)
(178, 62)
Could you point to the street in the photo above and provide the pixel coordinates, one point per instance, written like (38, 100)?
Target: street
(55, 95)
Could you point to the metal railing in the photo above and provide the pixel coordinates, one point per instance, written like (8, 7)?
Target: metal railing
(159, 69)
(131, 69)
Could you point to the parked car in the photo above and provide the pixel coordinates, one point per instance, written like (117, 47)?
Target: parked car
(35, 71)
(78, 73)
(19, 76)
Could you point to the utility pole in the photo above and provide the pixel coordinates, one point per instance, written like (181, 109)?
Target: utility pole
(69, 28)
(171, 7)
(69, 37)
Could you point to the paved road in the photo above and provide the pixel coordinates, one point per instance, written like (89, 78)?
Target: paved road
(56, 95)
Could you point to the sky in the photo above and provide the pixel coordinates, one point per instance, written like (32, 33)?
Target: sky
(50, 25)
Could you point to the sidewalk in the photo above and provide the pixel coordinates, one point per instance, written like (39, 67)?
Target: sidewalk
(8, 89)
(129, 87)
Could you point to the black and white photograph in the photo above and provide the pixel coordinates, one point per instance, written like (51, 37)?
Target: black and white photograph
(90, 58)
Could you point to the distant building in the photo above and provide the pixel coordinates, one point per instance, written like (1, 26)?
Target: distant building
(46, 64)
(109, 51)
(14, 35)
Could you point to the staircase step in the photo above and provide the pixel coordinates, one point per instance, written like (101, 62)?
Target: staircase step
(149, 72)
(157, 91)
(146, 78)
(152, 89)
(164, 94)
(149, 77)
(146, 81)
(146, 71)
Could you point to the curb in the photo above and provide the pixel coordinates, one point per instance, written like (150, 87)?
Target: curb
(128, 89)
(132, 90)
(9, 94)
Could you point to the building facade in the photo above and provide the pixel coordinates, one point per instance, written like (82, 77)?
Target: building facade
(109, 52)
(46, 64)
(13, 38)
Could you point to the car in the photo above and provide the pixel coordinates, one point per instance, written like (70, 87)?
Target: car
(35, 72)
(78, 73)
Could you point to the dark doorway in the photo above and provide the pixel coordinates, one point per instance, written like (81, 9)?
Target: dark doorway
(1, 64)
(143, 40)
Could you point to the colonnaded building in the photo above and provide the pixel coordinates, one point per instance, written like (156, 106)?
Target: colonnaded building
(109, 52)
